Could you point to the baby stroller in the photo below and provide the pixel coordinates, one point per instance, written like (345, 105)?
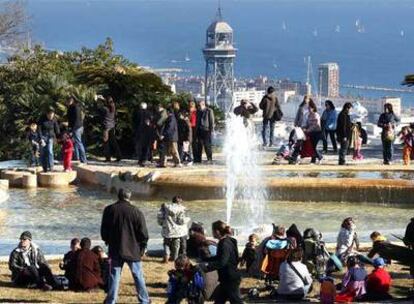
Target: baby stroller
(315, 256)
(296, 140)
(283, 153)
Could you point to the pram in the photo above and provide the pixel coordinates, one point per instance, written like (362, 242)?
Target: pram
(292, 149)
(315, 255)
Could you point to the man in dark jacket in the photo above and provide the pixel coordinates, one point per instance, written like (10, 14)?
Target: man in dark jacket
(204, 131)
(343, 131)
(75, 121)
(28, 265)
(169, 140)
(185, 138)
(140, 118)
(124, 230)
(269, 105)
(48, 129)
(246, 110)
(88, 269)
(409, 235)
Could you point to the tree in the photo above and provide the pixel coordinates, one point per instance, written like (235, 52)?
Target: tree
(13, 23)
(408, 80)
(36, 80)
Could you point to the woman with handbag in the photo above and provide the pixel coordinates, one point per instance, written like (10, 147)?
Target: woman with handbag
(387, 121)
(295, 281)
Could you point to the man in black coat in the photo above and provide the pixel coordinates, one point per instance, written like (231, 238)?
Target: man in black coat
(75, 121)
(343, 131)
(204, 131)
(124, 230)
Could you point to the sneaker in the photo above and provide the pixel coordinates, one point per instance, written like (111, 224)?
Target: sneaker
(319, 161)
(178, 165)
(189, 164)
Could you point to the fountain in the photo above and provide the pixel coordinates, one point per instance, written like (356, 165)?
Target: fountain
(244, 182)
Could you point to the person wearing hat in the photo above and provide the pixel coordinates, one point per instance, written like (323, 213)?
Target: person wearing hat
(28, 265)
(49, 131)
(378, 282)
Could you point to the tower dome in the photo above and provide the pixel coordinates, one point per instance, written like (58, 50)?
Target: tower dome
(219, 54)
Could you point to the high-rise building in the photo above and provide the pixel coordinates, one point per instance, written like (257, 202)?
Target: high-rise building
(329, 80)
(219, 53)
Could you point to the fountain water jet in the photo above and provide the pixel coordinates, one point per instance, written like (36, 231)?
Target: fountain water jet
(244, 183)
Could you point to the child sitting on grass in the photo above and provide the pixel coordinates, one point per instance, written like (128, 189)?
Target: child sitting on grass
(249, 254)
(185, 282)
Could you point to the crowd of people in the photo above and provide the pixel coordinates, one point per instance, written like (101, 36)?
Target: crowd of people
(288, 261)
(343, 129)
(183, 133)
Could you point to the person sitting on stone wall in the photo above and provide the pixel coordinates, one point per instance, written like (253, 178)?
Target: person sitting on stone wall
(29, 267)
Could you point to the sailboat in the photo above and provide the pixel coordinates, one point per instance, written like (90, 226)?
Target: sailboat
(187, 58)
(284, 27)
(338, 29)
(402, 34)
(315, 32)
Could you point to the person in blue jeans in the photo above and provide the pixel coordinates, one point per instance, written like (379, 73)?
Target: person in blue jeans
(48, 129)
(124, 231)
(75, 122)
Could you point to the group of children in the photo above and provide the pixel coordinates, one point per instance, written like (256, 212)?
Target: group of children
(85, 268)
(38, 144)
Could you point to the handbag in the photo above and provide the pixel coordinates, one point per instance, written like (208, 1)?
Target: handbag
(304, 279)
(277, 114)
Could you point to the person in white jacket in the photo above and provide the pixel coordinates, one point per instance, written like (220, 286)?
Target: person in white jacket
(347, 242)
(174, 222)
(295, 280)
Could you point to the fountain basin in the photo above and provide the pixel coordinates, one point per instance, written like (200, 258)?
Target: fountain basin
(202, 184)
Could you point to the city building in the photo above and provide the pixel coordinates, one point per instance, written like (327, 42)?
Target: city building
(251, 95)
(328, 80)
(219, 54)
(192, 85)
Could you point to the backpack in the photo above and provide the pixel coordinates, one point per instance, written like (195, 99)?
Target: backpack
(195, 288)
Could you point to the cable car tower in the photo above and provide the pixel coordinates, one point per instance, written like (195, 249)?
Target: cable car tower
(219, 54)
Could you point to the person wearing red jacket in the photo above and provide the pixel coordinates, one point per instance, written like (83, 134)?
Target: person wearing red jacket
(378, 282)
(67, 152)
